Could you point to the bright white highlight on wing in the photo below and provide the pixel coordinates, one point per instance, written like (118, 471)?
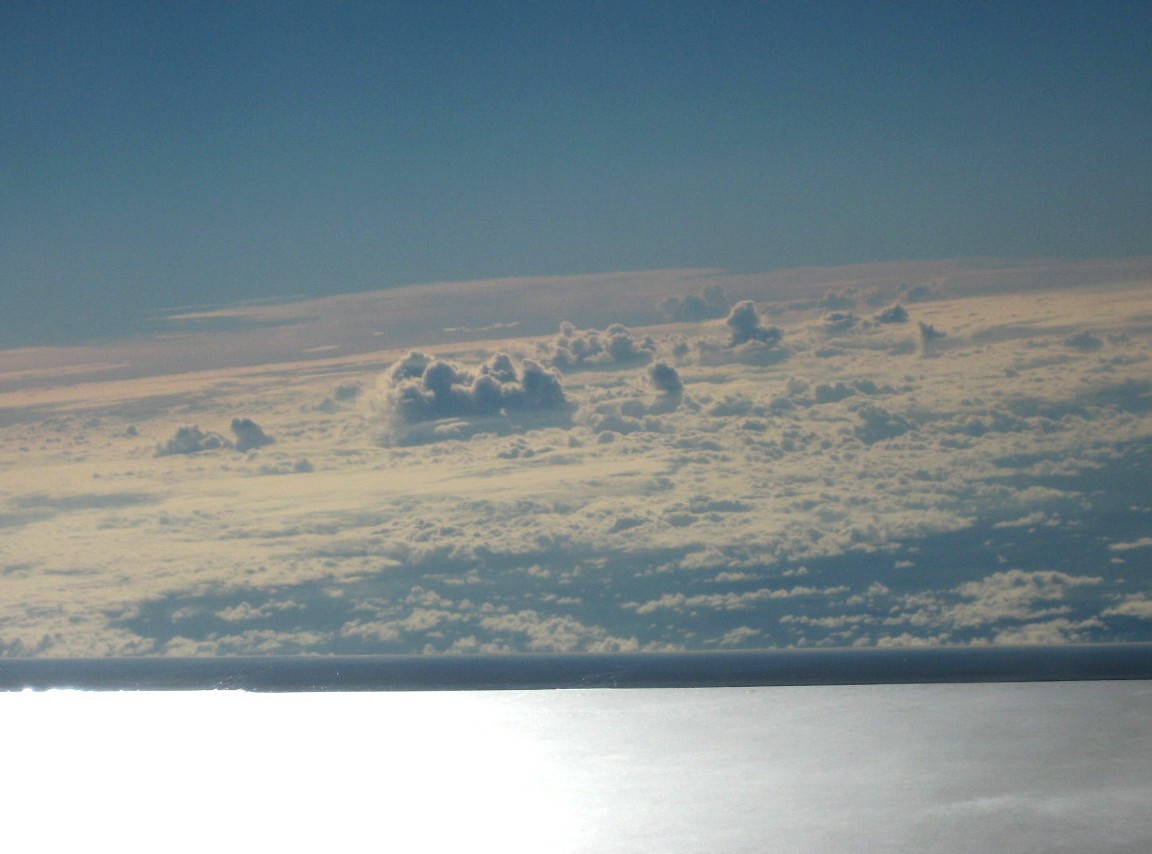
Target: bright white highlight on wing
(903, 768)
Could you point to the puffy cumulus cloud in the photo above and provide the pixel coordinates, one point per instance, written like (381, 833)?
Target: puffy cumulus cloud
(542, 632)
(749, 341)
(1014, 595)
(1051, 632)
(878, 424)
(665, 379)
(628, 407)
(744, 321)
(192, 440)
(421, 389)
(838, 321)
(445, 390)
(300, 466)
(622, 416)
(1138, 606)
(576, 348)
(709, 304)
(893, 314)
(1015, 606)
(251, 642)
(249, 435)
(909, 639)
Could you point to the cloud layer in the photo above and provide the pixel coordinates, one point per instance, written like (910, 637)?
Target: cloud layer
(704, 486)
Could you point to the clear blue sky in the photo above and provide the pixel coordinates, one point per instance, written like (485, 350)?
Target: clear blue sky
(171, 153)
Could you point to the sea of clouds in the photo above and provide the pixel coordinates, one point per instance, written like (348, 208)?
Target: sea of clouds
(865, 468)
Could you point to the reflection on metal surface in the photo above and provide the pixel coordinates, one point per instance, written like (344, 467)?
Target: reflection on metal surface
(973, 768)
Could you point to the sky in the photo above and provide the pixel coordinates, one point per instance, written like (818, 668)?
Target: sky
(159, 155)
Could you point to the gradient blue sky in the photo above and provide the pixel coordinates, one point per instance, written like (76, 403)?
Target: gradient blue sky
(158, 154)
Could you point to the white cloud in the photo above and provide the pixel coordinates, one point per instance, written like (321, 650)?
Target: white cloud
(727, 601)
(544, 633)
(1142, 543)
(1138, 606)
(574, 349)
(1046, 632)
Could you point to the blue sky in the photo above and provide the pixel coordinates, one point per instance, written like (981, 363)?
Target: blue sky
(157, 154)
